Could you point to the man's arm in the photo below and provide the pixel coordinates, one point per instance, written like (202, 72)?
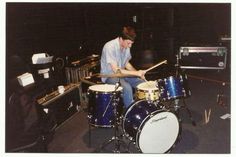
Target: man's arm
(130, 70)
(130, 67)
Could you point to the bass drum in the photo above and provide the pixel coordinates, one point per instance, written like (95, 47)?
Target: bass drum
(154, 130)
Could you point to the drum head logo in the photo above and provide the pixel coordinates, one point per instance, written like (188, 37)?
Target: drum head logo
(156, 120)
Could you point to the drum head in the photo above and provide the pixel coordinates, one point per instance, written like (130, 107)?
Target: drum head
(104, 88)
(149, 85)
(158, 133)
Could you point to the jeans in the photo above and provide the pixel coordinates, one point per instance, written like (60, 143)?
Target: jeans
(127, 83)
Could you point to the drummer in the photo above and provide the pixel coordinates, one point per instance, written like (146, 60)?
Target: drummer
(116, 59)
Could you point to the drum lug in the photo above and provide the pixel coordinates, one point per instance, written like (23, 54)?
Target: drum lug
(139, 131)
(117, 99)
(157, 104)
(168, 96)
(181, 79)
(89, 117)
(151, 115)
(165, 80)
(130, 138)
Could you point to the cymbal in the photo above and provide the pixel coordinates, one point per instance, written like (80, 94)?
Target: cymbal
(119, 75)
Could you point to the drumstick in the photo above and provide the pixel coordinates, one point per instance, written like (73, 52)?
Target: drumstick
(163, 62)
(147, 82)
(209, 114)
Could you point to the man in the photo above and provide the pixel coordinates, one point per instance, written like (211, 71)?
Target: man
(116, 59)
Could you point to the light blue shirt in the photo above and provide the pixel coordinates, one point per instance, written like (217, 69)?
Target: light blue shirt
(112, 54)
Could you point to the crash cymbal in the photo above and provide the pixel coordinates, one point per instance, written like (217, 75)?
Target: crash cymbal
(119, 75)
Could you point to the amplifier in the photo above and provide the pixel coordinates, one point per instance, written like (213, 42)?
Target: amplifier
(203, 57)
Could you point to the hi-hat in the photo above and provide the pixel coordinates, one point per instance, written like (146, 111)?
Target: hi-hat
(119, 75)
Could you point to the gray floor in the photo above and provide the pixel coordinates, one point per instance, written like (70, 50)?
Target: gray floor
(214, 137)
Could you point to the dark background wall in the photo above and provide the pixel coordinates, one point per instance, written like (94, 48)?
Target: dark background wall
(81, 29)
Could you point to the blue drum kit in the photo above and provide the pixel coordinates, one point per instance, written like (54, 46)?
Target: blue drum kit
(147, 123)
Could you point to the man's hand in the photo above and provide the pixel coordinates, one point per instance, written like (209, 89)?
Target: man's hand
(141, 74)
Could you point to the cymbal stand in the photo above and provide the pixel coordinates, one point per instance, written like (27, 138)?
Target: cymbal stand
(117, 137)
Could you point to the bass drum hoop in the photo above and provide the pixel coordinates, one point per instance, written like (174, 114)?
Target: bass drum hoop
(126, 112)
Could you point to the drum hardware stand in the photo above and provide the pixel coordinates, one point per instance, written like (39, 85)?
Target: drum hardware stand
(176, 112)
(117, 137)
(89, 123)
(89, 135)
(177, 66)
(177, 108)
(221, 98)
(189, 113)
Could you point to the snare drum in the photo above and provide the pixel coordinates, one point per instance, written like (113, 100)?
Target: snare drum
(173, 87)
(148, 90)
(100, 108)
(154, 130)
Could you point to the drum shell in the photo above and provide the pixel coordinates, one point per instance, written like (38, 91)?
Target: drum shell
(147, 94)
(148, 90)
(101, 108)
(174, 87)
